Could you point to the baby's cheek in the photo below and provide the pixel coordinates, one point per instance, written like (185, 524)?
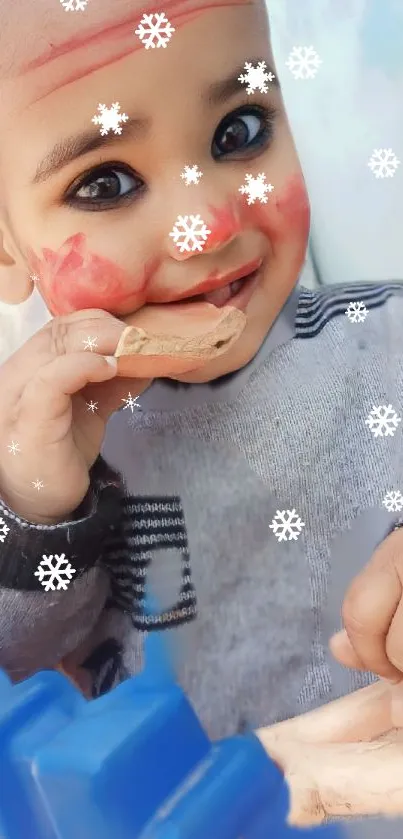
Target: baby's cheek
(285, 219)
(73, 278)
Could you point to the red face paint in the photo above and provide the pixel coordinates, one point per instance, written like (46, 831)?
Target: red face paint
(224, 223)
(72, 278)
(285, 217)
(110, 41)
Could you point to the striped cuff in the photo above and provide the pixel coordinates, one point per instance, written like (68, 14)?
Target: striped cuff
(30, 554)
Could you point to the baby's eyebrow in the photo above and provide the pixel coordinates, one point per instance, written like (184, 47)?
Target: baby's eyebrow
(77, 145)
(71, 148)
(219, 92)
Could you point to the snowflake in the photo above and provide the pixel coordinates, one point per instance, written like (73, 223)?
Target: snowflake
(38, 484)
(4, 529)
(191, 175)
(156, 34)
(383, 163)
(110, 119)
(34, 278)
(393, 501)
(256, 77)
(74, 5)
(15, 447)
(303, 62)
(189, 233)
(256, 188)
(288, 525)
(90, 344)
(356, 312)
(383, 419)
(50, 571)
(92, 406)
(130, 402)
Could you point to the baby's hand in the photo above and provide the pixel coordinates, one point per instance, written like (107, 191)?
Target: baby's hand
(55, 438)
(373, 619)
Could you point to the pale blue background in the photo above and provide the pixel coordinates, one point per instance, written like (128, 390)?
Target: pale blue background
(354, 104)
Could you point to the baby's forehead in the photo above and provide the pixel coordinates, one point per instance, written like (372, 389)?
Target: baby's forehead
(31, 30)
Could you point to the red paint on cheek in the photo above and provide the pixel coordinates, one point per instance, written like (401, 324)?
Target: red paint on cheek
(224, 223)
(285, 217)
(73, 278)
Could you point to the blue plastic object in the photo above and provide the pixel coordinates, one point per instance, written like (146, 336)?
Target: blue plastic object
(134, 764)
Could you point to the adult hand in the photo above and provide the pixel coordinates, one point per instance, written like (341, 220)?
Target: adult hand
(373, 619)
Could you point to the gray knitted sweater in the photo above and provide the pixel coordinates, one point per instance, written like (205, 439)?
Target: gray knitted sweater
(226, 520)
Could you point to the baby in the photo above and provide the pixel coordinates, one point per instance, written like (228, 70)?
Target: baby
(195, 509)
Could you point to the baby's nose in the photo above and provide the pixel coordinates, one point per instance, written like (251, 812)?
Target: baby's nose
(210, 228)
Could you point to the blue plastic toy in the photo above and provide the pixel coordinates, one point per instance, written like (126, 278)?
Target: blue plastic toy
(134, 764)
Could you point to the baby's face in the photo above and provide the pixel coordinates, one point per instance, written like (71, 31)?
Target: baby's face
(91, 216)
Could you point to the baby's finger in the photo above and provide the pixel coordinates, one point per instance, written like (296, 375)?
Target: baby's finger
(48, 393)
(90, 332)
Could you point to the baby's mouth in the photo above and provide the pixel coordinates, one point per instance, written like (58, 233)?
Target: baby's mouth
(221, 296)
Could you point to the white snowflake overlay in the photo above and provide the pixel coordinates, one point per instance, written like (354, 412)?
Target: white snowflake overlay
(191, 175)
(383, 163)
(14, 447)
(74, 5)
(90, 343)
(38, 484)
(393, 501)
(256, 77)
(4, 529)
(92, 406)
(286, 525)
(356, 312)
(54, 572)
(189, 233)
(303, 62)
(109, 119)
(131, 402)
(256, 188)
(156, 33)
(383, 421)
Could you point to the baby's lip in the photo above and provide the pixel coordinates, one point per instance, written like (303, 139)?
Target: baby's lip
(215, 281)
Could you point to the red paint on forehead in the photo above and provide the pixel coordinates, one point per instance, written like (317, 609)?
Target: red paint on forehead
(72, 278)
(109, 34)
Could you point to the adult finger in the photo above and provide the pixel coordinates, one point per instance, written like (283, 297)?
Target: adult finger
(371, 606)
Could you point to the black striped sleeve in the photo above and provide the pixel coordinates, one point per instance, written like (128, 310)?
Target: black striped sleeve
(78, 543)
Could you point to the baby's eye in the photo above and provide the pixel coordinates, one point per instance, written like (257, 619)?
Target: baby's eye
(102, 186)
(244, 130)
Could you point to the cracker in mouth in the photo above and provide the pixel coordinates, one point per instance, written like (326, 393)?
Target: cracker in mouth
(176, 337)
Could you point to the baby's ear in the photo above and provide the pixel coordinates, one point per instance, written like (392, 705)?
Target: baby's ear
(15, 282)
